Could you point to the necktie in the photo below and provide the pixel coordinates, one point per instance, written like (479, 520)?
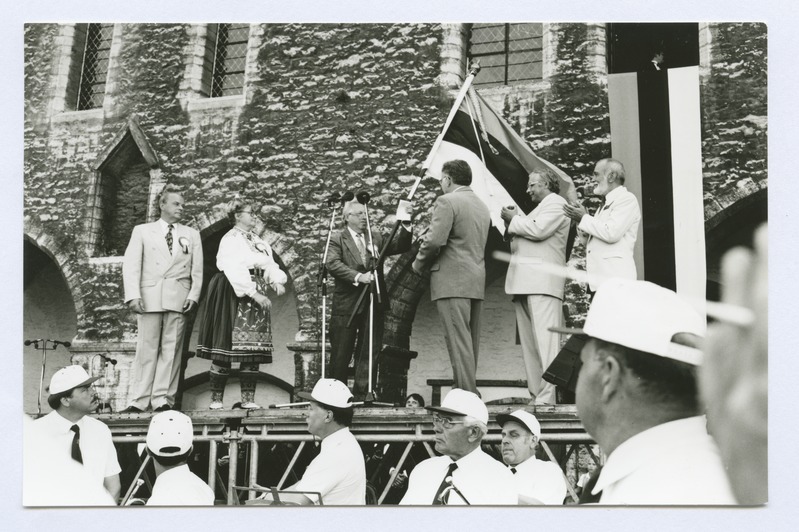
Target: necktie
(586, 497)
(513, 470)
(76, 454)
(437, 499)
(361, 247)
(169, 238)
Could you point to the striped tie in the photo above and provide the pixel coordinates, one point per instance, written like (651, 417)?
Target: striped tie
(169, 238)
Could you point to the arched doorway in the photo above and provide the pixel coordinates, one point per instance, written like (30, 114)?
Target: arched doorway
(733, 226)
(48, 311)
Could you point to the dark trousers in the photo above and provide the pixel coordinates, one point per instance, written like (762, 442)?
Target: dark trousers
(346, 341)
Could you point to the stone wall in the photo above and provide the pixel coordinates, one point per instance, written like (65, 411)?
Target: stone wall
(330, 107)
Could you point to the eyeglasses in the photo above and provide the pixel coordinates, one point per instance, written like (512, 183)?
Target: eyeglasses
(445, 422)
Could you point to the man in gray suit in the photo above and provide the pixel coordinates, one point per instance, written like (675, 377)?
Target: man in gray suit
(538, 238)
(454, 251)
(162, 273)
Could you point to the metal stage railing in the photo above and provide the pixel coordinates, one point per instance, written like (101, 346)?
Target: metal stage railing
(285, 429)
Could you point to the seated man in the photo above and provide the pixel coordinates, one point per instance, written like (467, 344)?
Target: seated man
(464, 474)
(169, 442)
(637, 397)
(73, 433)
(338, 473)
(537, 481)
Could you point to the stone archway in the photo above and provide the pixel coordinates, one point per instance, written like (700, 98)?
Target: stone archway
(49, 312)
(729, 226)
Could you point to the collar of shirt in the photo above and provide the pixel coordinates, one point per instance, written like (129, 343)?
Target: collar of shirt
(174, 472)
(335, 439)
(63, 424)
(459, 188)
(646, 446)
(355, 235)
(165, 226)
(471, 459)
(614, 194)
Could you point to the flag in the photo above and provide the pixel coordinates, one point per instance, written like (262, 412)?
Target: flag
(500, 159)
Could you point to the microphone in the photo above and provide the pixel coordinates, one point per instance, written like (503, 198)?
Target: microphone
(107, 359)
(363, 197)
(334, 198)
(56, 343)
(449, 481)
(34, 342)
(347, 197)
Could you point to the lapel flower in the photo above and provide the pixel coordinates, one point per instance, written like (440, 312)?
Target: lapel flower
(184, 243)
(259, 246)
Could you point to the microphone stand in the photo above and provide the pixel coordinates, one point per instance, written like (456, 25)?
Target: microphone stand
(374, 291)
(321, 283)
(43, 349)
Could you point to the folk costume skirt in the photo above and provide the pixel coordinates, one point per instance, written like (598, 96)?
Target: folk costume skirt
(234, 329)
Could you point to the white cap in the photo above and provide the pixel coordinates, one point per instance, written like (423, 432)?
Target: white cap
(170, 434)
(462, 403)
(524, 418)
(330, 392)
(643, 316)
(69, 377)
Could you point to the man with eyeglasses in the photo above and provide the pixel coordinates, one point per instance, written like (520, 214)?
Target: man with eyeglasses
(350, 261)
(464, 475)
(536, 239)
(75, 435)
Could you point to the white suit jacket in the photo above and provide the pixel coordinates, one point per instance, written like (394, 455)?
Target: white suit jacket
(163, 281)
(610, 235)
(538, 238)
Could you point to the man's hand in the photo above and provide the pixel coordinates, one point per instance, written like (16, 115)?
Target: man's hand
(507, 213)
(189, 305)
(575, 211)
(136, 305)
(279, 289)
(365, 278)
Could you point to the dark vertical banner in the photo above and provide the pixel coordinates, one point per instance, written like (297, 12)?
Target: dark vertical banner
(653, 88)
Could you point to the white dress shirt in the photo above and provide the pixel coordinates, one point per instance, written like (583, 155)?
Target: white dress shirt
(180, 487)
(481, 479)
(338, 472)
(97, 449)
(540, 480)
(675, 463)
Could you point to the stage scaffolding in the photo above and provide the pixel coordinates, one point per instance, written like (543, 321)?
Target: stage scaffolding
(243, 432)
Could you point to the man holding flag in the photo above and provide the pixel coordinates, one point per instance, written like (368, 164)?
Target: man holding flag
(454, 251)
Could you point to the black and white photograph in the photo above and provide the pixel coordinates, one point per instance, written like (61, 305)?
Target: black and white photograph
(491, 258)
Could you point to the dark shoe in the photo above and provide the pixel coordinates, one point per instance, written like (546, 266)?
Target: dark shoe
(163, 408)
(132, 410)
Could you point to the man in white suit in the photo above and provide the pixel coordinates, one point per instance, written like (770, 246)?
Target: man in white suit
(535, 239)
(609, 235)
(162, 273)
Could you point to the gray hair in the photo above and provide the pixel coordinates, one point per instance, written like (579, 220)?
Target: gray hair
(614, 166)
(548, 178)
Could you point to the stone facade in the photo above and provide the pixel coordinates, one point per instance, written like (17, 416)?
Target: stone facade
(325, 107)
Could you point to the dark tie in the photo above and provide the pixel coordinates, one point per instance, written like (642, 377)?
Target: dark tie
(361, 247)
(586, 497)
(437, 499)
(513, 470)
(169, 238)
(76, 454)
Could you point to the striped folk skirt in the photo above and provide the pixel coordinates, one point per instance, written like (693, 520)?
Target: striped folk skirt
(233, 329)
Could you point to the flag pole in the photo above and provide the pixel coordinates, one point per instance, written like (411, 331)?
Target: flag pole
(474, 68)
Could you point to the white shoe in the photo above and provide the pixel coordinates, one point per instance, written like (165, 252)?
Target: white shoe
(250, 406)
(216, 405)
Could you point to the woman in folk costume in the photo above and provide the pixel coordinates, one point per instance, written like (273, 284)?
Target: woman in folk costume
(236, 324)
